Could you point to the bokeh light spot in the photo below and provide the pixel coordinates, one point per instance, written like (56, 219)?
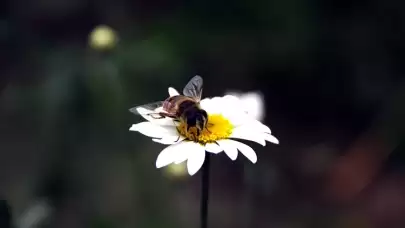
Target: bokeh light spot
(103, 37)
(177, 170)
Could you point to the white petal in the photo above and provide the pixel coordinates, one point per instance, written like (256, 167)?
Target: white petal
(254, 104)
(153, 130)
(181, 157)
(270, 138)
(169, 155)
(196, 158)
(213, 148)
(243, 99)
(229, 101)
(243, 133)
(245, 150)
(233, 103)
(229, 148)
(258, 126)
(169, 139)
(173, 92)
(231, 108)
(164, 142)
(236, 117)
(213, 105)
(186, 150)
(231, 98)
(162, 121)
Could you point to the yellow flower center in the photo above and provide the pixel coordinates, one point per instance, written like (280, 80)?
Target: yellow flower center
(218, 127)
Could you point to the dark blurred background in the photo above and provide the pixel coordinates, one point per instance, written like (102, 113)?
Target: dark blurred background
(331, 73)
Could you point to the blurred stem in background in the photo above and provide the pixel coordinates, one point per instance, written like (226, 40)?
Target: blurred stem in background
(205, 191)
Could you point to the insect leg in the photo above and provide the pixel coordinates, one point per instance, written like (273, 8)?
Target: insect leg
(167, 115)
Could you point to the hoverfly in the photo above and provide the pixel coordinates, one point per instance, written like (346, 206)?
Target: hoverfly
(181, 108)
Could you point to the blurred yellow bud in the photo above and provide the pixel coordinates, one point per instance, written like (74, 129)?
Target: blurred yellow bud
(102, 37)
(177, 170)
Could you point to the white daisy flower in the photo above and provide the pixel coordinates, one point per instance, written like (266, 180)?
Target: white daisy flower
(227, 121)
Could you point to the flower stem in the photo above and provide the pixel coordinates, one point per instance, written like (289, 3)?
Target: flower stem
(205, 192)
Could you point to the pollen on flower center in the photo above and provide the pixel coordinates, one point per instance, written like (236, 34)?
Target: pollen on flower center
(218, 127)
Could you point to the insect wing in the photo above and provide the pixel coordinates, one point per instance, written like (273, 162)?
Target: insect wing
(148, 109)
(194, 88)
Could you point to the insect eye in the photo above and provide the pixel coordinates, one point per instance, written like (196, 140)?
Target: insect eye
(191, 121)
